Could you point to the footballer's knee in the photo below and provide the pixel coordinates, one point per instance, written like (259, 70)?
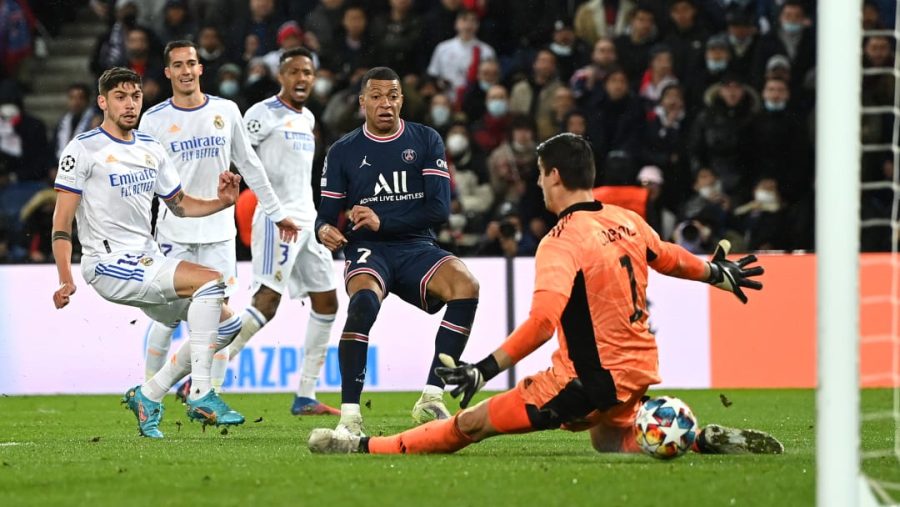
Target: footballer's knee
(605, 439)
(453, 280)
(324, 303)
(474, 422)
(266, 301)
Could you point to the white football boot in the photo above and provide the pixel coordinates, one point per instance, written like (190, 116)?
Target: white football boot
(326, 441)
(715, 439)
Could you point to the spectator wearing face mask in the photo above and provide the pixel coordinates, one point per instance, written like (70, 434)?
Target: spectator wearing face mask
(259, 84)
(23, 139)
(489, 131)
(705, 216)
(571, 53)
(782, 143)
(228, 80)
(211, 51)
(717, 59)
(762, 220)
(534, 96)
(474, 96)
(743, 40)
(659, 216)
(793, 37)
(440, 113)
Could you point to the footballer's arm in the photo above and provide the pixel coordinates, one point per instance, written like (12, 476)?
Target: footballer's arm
(186, 205)
(63, 215)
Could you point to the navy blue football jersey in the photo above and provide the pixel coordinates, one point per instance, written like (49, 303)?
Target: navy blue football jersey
(403, 178)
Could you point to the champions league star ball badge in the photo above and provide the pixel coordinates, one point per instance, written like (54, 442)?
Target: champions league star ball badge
(409, 155)
(219, 122)
(67, 163)
(253, 126)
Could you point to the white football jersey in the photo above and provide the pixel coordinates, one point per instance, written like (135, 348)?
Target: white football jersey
(202, 143)
(284, 139)
(117, 181)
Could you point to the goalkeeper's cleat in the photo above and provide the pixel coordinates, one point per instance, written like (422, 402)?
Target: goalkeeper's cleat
(211, 410)
(326, 441)
(429, 408)
(149, 413)
(183, 391)
(308, 406)
(715, 439)
(351, 424)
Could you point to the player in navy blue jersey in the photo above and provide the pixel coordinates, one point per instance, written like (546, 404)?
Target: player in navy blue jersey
(393, 178)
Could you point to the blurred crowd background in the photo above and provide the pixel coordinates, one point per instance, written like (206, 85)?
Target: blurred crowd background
(700, 112)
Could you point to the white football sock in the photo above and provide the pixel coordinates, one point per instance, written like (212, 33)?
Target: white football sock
(318, 330)
(252, 320)
(203, 321)
(159, 339)
(228, 329)
(349, 410)
(173, 371)
(433, 390)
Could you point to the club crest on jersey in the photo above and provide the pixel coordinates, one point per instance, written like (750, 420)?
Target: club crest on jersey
(150, 161)
(67, 163)
(219, 122)
(147, 261)
(278, 276)
(408, 155)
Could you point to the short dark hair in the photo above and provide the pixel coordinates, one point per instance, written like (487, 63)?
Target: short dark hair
(175, 44)
(572, 156)
(83, 88)
(298, 51)
(379, 73)
(115, 76)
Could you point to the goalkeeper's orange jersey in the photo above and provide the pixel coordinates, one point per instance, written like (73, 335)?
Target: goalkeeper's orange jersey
(597, 256)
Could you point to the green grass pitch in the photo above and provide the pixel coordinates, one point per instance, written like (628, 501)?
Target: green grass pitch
(84, 450)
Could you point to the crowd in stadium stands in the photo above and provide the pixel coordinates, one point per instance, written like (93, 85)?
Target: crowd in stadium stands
(700, 112)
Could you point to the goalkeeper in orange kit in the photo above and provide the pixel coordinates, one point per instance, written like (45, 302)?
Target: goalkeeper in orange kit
(591, 290)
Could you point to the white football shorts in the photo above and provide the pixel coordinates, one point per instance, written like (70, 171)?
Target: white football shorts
(220, 256)
(141, 279)
(300, 267)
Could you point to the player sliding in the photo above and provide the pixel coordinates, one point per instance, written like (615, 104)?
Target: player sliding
(393, 176)
(108, 178)
(281, 130)
(203, 135)
(590, 288)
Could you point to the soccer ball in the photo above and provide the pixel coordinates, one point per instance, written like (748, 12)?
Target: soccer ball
(665, 427)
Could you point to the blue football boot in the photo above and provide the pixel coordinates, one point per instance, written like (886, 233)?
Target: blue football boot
(149, 413)
(211, 410)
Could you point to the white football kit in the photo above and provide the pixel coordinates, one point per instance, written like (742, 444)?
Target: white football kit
(202, 143)
(284, 139)
(117, 182)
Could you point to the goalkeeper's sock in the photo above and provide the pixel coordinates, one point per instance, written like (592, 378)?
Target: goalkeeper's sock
(159, 339)
(435, 437)
(452, 335)
(354, 344)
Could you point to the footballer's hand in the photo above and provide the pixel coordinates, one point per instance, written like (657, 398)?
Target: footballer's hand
(61, 296)
(331, 237)
(229, 188)
(288, 230)
(467, 378)
(731, 276)
(363, 216)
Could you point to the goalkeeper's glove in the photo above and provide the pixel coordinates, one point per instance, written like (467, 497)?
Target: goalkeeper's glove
(731, 276)
(468, 378)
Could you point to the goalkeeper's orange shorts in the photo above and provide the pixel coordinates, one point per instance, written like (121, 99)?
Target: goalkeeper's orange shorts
(547, 401)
